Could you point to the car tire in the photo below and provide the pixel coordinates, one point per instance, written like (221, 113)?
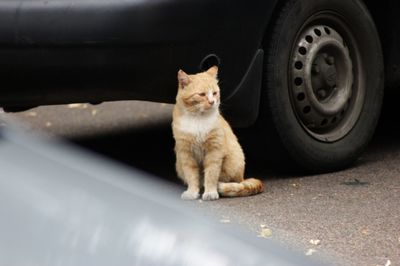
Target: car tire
(323, 82)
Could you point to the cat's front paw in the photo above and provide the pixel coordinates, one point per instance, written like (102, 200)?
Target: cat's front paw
(212, 195)
(190, 195)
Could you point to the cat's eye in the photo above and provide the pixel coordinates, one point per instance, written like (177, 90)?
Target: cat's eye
(202, 94)
(215, 93)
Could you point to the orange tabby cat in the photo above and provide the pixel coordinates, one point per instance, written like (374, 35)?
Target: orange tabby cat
(207, 151)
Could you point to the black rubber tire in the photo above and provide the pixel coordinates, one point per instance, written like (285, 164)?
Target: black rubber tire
(277, 111)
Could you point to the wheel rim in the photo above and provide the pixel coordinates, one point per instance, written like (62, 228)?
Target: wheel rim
(326, 91)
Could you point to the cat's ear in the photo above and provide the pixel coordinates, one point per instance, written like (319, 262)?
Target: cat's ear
(213, 71)
(183, 78)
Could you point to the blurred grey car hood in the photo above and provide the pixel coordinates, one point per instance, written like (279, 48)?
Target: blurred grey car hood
(62, 206)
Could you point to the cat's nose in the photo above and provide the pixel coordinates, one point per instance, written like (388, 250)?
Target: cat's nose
(211, 102)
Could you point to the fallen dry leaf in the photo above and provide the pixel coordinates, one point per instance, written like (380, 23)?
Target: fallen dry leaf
(310, 252)
(315, 242)
(32, 114)
(365, 231)
(355, 182)
(265, 233)
(78, 105)
(74, 105)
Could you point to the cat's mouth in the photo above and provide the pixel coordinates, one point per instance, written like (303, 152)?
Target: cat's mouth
(210, 107)
(204, 110)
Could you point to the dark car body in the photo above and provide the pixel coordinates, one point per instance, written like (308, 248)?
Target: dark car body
(61, 51)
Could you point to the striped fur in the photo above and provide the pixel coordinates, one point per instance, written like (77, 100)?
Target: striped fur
(247, 187)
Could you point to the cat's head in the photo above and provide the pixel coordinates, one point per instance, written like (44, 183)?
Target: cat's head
(199, 93)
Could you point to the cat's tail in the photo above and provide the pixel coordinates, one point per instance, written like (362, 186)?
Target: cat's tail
(247, 187)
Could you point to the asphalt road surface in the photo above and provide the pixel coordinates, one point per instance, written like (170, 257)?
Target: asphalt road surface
(351, 215)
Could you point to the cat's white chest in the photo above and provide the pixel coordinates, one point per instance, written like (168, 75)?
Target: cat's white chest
(198, 126)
